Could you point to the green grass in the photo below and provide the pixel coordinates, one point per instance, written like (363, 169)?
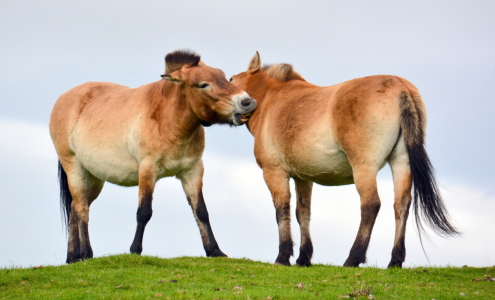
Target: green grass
(145, 277)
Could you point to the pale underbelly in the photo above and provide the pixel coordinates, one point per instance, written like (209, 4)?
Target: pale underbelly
(331, 169)
(116, 168)
(326, 177)
(122, 168)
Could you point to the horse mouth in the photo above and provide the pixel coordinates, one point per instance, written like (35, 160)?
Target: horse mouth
(245, 117)
(242, 118)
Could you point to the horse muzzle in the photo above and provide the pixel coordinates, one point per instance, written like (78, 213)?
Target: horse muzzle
(244, 106)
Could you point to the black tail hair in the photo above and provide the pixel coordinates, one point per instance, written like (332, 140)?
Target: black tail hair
(427, 201)
(65, 196)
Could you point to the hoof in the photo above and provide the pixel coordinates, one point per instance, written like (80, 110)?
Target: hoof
(73, 260)
(283, 261)
(136, 249)
(395, 264)
(351, 264)
(303, 262)
(216, 253)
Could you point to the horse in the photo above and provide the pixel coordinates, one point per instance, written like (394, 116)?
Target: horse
(105, 132)
(339, 135)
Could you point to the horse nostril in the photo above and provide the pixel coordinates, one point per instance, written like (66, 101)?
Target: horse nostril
(246, 102)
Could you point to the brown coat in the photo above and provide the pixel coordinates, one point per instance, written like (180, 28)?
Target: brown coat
(109, 132)
(336, 135)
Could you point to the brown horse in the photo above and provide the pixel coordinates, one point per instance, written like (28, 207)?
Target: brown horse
(109, 132)
(337, 135)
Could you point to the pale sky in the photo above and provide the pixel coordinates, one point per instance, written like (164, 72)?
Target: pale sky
(446, 48)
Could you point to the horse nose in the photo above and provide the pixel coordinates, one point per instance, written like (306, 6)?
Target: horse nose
(246, 102)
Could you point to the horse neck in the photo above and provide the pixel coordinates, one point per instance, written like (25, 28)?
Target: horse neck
(172, 112)
(263, 89)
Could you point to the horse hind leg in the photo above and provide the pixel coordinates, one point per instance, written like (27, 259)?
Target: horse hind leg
(303, 215)
(399, 163)
(365, 180)
(84, 189)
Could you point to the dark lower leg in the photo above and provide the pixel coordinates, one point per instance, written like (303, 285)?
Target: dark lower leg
(86, 250)
(202, 218)
(305, 253)
(303, 215)
(143, 215)
(399, 249)
(73, 245)
(357, 254)
(79, 244)
(285, 249)
(398, 256)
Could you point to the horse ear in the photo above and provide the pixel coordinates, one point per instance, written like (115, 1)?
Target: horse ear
(173, 77)
(255, 63)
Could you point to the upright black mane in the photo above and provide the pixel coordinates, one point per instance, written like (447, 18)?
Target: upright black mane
(175, 60)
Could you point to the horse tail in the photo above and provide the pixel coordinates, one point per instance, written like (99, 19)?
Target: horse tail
(65, 196)
(427, 201)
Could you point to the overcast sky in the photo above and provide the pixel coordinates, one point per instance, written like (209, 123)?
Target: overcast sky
(446, 48)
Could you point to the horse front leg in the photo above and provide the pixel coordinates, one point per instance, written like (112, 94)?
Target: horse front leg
(303, 215)
(147, 180)
(365, 180)
(192, 183)
(278, 184)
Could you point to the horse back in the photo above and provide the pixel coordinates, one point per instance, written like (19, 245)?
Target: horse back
(92, 104)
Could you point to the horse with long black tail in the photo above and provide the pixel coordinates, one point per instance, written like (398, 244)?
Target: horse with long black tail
(109, 132)
(337, 135)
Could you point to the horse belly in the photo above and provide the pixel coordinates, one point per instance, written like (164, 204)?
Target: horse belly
(117, 167)
(106, 158)
(325, 167)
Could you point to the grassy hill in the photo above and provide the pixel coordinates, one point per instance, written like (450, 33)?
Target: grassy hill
(144, 277)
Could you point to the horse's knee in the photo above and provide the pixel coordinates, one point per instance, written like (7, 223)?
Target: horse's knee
(372, 207)
(282, 212)
(369, 212)
(144, 214)
(80, 210)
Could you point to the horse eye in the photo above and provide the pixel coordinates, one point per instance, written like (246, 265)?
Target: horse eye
(230, 80)
(204, 85)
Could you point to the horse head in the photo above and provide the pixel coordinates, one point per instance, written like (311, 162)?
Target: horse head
(210, 95)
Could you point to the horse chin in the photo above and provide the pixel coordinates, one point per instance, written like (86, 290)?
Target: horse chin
(206, 123)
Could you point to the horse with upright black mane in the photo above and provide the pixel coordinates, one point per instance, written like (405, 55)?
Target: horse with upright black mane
(337, 135)
(109, 132)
